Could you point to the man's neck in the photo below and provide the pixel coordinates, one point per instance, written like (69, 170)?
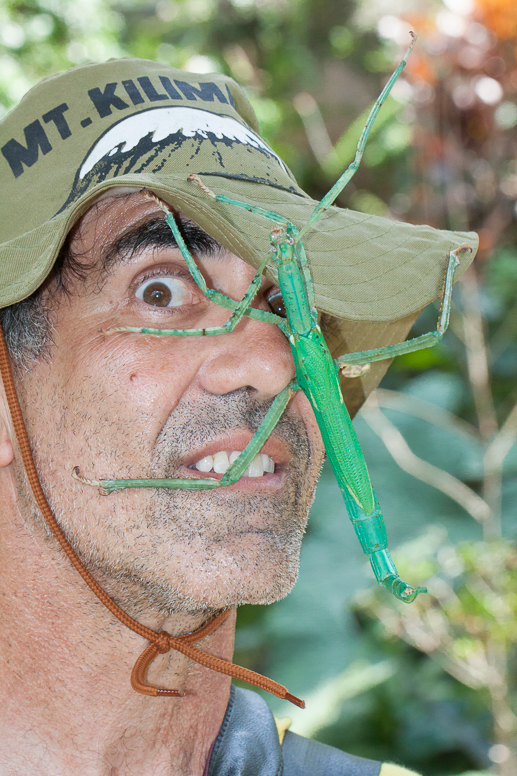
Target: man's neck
(67, 704)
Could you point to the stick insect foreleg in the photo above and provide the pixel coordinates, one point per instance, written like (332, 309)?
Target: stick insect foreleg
(351, 170)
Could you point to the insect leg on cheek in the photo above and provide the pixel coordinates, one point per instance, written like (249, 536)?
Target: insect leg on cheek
(233, 473)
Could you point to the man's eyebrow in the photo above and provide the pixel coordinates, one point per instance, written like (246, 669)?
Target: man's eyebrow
(155, 233)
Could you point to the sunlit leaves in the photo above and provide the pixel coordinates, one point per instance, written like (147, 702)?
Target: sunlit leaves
(42, 37)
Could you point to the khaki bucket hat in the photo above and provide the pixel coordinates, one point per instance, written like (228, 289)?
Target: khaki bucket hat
(138, 123)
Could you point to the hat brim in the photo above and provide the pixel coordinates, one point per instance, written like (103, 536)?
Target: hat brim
(372, 276)
(363, 267)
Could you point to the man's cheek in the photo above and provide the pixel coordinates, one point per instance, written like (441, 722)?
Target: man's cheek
(301, 406)
(145, 378)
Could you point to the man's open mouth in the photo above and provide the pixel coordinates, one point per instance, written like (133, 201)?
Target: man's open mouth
(220, 462)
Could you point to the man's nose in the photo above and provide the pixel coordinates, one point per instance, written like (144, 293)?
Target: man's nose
(255, 355)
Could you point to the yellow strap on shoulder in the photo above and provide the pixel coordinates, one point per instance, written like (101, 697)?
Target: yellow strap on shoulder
(387, 769)
(282, 726)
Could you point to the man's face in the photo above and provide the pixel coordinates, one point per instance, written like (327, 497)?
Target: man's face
(132, 406)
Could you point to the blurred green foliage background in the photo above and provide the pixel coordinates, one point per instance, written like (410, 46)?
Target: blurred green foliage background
(432, 685)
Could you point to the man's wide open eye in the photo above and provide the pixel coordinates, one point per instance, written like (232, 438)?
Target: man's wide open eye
(165, 292)
(276, 302)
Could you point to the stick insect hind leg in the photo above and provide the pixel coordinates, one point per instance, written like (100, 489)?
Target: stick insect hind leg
(416, 343)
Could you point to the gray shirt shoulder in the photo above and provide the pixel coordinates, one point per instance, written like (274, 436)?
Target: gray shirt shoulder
(248, 745)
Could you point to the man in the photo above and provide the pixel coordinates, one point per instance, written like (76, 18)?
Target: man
(89, 161)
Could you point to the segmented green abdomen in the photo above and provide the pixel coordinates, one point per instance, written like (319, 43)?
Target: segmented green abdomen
(317, 377)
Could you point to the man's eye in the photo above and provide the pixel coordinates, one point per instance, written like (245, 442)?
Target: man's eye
(276, 302)
(165, 292)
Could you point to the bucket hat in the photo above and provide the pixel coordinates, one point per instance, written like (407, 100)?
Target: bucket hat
(137, 123)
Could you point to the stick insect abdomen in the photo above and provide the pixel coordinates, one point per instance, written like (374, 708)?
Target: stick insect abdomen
(320, 384)
(316, 376)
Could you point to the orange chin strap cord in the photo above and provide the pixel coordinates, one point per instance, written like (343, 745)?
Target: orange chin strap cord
(160, 642)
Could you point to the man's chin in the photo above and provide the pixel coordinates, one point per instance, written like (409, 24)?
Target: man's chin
(239, 592)
(231, 585)
(210, 586)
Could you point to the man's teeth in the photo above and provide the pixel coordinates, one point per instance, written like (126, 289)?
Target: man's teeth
(220, 462)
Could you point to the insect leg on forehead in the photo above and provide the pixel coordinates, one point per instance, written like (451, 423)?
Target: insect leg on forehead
(239, 309)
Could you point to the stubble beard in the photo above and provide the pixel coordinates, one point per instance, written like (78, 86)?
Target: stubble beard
(204, 550)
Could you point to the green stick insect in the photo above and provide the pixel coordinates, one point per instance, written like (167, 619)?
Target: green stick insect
(316, 370)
